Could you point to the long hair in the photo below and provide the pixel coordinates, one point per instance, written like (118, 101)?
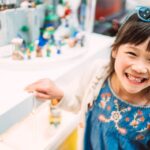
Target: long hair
(133, 31)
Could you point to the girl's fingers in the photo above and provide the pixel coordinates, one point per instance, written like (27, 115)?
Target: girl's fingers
(41, 90)
(31, 87)
(35, 87)
(42, 96)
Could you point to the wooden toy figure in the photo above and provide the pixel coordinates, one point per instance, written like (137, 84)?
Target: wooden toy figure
(48, 51)
(17, 54)
(59, 47)
(28, 52)
(55, 113)
(80, 38)
(30, 48)
(39, 52)
(58, 51)
(71, 42)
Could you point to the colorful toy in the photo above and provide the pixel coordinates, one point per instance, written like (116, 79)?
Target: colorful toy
(55, 113)
(29, 50)
(55, 117)
(47, 32)
(54, 37)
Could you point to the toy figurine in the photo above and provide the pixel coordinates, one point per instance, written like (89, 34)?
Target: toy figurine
(30, 49)
(80, 38)
(39, 52)
(28, 4)
(63, 10)
(24, 33)
(63, 32)
(55, 113)
(58, 51)
(28, 52)
(17, 54)
(74, 5)
(67, 9)
(48, 51)
(51, 18)
(55, 116)
(71, 42)
(59, 44)
(45, 37)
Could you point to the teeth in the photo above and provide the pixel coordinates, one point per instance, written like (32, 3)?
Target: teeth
(139, 80)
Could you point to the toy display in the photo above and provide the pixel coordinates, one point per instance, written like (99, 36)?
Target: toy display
(59, 34)
(45, 37)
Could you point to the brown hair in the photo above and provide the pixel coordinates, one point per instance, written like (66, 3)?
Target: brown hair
(133, 31)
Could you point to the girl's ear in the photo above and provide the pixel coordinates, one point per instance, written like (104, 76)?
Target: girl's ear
(114, 53)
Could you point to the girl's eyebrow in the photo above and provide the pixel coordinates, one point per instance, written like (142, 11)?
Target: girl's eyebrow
(134, 48)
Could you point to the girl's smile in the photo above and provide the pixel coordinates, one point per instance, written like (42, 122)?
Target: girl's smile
(132, 79)
(137, 75)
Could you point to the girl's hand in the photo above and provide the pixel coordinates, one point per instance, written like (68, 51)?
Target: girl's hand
(45, 89)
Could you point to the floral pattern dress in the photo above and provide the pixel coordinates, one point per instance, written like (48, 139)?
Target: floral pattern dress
(114, 124)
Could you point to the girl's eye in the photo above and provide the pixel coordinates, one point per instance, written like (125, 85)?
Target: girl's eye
(131, 53)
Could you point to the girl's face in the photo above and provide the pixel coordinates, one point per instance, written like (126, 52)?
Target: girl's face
(132, 68)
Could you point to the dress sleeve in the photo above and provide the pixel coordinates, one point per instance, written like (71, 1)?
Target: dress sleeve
(75, 90)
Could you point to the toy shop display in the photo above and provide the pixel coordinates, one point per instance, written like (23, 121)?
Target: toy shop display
(60, 34)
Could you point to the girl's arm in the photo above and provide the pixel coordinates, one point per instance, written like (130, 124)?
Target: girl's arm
(70, 96)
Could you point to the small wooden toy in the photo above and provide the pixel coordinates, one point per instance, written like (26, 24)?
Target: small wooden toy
(55, 113)
(28, 53)
(17, 54)
(48, 51)
(39, 52)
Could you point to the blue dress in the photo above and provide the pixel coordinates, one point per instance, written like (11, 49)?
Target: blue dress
(114, 124)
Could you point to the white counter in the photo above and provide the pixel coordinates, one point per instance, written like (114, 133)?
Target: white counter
(16, 104)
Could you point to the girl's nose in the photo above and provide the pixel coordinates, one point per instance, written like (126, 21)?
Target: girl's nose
(139, 68)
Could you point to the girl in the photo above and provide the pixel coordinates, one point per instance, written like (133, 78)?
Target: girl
(116, 98)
